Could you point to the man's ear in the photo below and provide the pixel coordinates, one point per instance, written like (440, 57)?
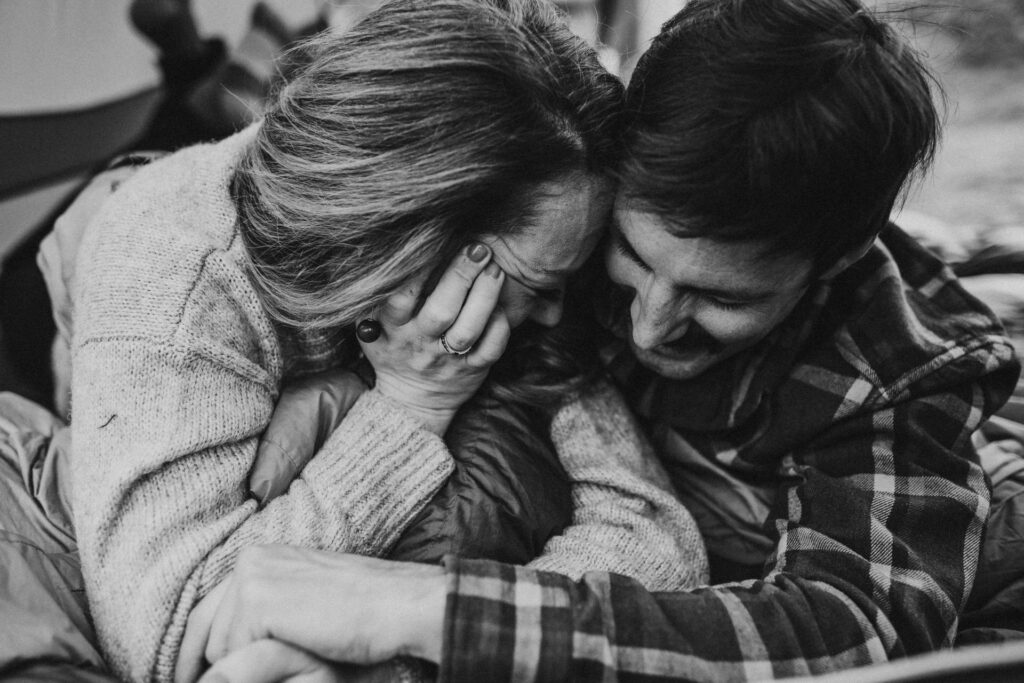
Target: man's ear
(848, 259)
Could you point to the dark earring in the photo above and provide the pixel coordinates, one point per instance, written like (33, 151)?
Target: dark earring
(368, 331)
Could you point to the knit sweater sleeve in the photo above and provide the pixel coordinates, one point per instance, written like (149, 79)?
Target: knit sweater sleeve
(160, 489)
(625, 519)
(173, 380)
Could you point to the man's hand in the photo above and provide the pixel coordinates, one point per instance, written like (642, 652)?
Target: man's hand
(341, 608)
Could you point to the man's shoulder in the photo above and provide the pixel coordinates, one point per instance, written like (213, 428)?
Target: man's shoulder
(898, 324)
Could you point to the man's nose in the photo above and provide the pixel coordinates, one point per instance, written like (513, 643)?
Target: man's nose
(547, 313)
(659, 315)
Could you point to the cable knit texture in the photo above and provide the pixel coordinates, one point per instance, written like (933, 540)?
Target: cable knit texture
(175, 372)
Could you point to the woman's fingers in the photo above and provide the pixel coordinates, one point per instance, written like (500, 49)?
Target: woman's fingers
(195, 643)
(442, 306)
(492, 342)
(432, 380)
(476, 311)
(401, 306)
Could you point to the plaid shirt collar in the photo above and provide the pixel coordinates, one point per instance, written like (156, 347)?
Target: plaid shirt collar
(732, 400)
(728, 395)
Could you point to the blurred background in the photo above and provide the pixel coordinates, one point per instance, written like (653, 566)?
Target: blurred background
(84, 80)
(976, 48)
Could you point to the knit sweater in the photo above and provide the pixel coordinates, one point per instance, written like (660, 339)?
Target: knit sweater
(175, 371)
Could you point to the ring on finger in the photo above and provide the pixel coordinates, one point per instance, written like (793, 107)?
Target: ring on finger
(448, 348)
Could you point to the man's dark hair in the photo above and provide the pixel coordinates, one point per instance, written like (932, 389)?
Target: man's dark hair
(793, 121)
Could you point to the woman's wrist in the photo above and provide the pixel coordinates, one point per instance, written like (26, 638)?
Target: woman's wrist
(433, 418)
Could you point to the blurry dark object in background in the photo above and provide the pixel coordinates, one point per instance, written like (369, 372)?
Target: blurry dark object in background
(1000, 250)
(209, 92)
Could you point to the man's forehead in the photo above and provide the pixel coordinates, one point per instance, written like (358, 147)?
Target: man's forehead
(747, 267)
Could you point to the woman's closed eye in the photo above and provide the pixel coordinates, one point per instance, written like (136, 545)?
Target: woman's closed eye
(622, 247)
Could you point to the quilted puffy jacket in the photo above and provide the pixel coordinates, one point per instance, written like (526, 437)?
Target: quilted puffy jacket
(507, 496)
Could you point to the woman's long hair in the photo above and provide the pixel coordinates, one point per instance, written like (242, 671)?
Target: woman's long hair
(428, 124)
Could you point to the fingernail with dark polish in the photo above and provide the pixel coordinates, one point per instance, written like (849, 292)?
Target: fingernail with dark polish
(477, 252)
(492, 269)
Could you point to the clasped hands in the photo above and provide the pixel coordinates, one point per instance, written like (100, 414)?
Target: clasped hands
(309, 616)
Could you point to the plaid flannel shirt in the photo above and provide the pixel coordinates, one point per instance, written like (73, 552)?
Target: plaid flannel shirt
(861, 407)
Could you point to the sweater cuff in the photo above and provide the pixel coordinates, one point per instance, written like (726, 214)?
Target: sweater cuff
(384, 465)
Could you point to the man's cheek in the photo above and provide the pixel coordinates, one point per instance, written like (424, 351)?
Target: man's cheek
(730, 329)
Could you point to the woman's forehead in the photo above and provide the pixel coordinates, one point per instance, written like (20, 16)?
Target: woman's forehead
(567, 221)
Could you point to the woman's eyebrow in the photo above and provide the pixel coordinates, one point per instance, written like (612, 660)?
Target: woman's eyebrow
(528, 275)
(529, 282)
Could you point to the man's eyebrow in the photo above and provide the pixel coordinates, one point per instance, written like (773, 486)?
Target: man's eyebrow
(738, 294)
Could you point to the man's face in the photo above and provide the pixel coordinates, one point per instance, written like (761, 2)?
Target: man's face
(696, 301)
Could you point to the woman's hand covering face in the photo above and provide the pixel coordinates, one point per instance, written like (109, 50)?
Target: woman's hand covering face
(413, 367)
(310, 408)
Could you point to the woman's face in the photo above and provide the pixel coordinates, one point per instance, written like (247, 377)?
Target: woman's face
(568, 220)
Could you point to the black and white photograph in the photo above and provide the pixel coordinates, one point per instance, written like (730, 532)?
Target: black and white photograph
(511, 341)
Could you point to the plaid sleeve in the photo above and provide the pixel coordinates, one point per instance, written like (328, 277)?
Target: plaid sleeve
(878, 538)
